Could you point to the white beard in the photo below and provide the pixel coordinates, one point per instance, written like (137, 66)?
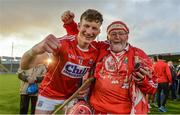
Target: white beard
(117, 47)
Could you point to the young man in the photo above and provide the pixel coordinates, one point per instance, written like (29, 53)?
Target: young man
(73, 57)
(122, 73)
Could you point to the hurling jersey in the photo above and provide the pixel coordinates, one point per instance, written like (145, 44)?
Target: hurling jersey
(69, 65)
(162, 71)
(112, 92)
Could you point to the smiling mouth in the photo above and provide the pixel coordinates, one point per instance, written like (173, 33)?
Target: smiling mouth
(89, 37)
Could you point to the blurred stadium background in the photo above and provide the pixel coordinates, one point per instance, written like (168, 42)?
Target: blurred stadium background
(11, 64)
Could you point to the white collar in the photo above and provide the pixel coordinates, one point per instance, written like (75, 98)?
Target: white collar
(84, 50)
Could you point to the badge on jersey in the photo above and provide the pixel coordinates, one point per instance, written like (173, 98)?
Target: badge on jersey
(91, 61)
(110, 64)
(74, 70)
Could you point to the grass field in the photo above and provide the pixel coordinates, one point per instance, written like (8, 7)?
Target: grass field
(9, 97)
(9, 94)
(172, 107)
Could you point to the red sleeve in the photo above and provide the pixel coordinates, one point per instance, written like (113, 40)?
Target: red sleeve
(147, 86)
(71, 28)
(98, 70)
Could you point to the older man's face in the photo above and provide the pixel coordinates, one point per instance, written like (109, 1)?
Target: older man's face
(118, 40)
(118, 36)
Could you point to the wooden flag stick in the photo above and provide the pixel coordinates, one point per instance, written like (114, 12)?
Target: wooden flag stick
(85, 84)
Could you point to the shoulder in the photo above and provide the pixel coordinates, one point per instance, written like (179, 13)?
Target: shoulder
(104, 43)
(67, 40)
(138, 49)
(100, 44)
(142, 55)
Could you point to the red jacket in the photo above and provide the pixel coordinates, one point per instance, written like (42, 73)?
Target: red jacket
(162, 71)
(112, 94)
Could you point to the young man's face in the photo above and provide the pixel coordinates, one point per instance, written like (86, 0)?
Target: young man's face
(88, 31)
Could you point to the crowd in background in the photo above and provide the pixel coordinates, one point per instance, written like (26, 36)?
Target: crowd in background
(168, 83)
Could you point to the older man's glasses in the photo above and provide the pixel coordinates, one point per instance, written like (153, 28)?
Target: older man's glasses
(118, 33)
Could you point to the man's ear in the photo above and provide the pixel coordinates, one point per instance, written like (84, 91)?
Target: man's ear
(78, 26)
(108, 37)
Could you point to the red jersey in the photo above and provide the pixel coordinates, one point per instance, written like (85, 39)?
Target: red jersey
(163, 72)
(113, 91)
(71, 63)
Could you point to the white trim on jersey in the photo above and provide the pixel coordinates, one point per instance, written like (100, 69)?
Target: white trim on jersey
(93, 46)
(71, 37)
(83, 50)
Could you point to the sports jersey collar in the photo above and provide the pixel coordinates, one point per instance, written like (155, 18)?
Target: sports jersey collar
(76, 43)
(84, 50)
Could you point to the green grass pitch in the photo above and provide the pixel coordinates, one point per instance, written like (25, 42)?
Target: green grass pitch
(9, 94)
(9, 97)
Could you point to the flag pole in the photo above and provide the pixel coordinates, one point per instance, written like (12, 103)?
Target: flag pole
(12, 57)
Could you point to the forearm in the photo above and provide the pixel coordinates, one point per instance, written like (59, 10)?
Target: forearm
(35, 55)
(147, 86)
(27, 60)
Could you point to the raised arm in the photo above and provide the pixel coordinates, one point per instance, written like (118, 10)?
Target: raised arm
(37, 53)
(69, 24)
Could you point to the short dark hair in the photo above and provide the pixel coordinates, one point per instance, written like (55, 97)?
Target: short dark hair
(155, 58)
(92, 15)
(159, 56)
